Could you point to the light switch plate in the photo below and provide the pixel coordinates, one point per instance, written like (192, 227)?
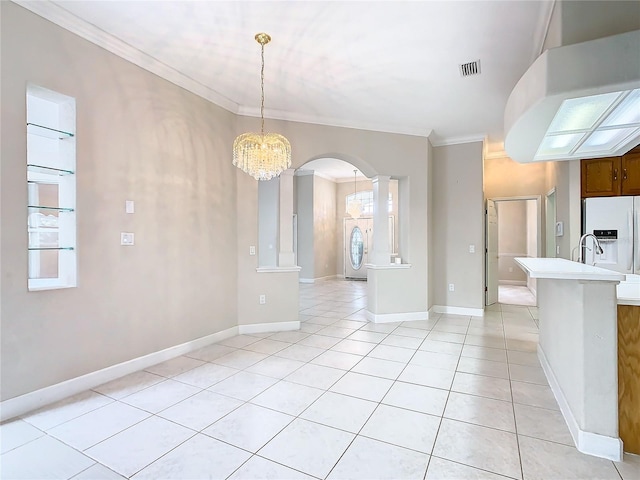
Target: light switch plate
(129, 206)
(127, 238)
(252, 250)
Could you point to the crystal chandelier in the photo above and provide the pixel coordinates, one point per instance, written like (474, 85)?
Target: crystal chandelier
(262, 155)
(355, 206)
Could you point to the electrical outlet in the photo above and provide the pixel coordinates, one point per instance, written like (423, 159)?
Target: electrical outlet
(263, 299)
(127, 238)
(472, 249)
(129, 206)
(452, 287)
(252, 250)
(557, 249)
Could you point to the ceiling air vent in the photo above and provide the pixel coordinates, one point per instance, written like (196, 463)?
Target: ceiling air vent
(471, 68)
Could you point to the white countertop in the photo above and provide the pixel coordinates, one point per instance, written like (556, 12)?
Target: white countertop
(562, 269)
(629, 291)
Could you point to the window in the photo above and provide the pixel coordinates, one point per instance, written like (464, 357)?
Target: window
(51, 187)
(366, 200)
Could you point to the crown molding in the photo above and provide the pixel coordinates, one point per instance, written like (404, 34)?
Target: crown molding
(445, 141)
(333, 122)
(63, 18)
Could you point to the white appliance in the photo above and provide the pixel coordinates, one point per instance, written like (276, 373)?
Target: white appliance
(615, 222)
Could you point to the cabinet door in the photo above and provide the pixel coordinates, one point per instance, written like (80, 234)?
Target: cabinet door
(631, 174)
(600, 177)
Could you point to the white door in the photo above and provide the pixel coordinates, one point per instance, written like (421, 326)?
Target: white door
(491, 288)
(358, 234)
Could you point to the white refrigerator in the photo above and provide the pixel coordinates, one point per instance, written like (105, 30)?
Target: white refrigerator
(615, 221)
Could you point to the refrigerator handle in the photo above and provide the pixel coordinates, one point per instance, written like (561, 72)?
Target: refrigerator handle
(630, 249)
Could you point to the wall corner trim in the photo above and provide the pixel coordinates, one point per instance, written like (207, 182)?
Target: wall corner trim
(396, 317)
(474, 312)
(586, 442)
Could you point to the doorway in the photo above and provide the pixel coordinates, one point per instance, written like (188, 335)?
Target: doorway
(513, 230)
(358, 234)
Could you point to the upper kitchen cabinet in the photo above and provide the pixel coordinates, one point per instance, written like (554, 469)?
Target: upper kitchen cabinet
(631, 173)
(611, 176)
(600, 177)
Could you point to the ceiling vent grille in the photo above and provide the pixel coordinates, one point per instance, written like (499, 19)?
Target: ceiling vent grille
(471, 68)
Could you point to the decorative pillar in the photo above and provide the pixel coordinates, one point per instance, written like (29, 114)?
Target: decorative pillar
(381, 252)
(286, 257)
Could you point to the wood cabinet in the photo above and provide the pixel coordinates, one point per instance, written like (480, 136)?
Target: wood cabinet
(630, 174)
(601, 177)
(611, 176)
(629, 377)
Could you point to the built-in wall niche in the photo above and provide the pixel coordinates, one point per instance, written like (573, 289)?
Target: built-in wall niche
(51, 189)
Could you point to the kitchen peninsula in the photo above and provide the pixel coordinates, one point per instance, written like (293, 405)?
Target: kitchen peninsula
(577, 348)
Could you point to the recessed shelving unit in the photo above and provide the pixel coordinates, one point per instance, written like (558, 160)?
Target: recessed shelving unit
(51, 187)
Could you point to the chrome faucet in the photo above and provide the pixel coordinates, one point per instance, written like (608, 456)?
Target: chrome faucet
(581, 247)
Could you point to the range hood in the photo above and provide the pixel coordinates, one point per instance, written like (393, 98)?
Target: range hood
(577, 101)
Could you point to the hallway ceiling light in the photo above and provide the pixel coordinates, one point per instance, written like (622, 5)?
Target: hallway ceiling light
(262, 155)
(355, 206)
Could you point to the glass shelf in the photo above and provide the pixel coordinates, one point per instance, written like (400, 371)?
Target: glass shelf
(59, 209)
(49, 170)
(47, 132)
(50, 248)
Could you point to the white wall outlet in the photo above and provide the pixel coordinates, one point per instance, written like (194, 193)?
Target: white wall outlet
(129, 206)
(252, 250)
(472, 249)
(127, 238)
(452, 287)
(263, 299)
(557, 249)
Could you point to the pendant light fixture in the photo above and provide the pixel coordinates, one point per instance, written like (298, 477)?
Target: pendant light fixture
(262, 155)
(355, 206)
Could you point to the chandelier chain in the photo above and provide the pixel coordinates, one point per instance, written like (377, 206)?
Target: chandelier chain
(262, 96)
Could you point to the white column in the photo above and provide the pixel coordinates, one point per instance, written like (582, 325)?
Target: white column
(381, 253)
(286, 256)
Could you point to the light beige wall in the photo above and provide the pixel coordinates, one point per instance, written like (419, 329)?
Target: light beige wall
(588, 20)
(373, 153)
(304, 201)
(504, 177)
(139, 138)
(565, 177)
(512, 239)
(458, 223)
(325, 227)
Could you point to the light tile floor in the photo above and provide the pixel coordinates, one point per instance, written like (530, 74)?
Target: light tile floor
(516, 295)
(451, 397)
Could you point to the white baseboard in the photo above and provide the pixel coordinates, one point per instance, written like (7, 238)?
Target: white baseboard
(33, 400)
(586, 442)
(519, 283)
(22, 404)
(306, 280)
(473, 312)
(395, 317)
(268, 327)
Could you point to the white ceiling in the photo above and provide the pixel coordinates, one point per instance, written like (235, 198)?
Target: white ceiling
(381, 65)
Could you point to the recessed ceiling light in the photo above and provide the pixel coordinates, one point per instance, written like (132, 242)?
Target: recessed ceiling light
(594, 125)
